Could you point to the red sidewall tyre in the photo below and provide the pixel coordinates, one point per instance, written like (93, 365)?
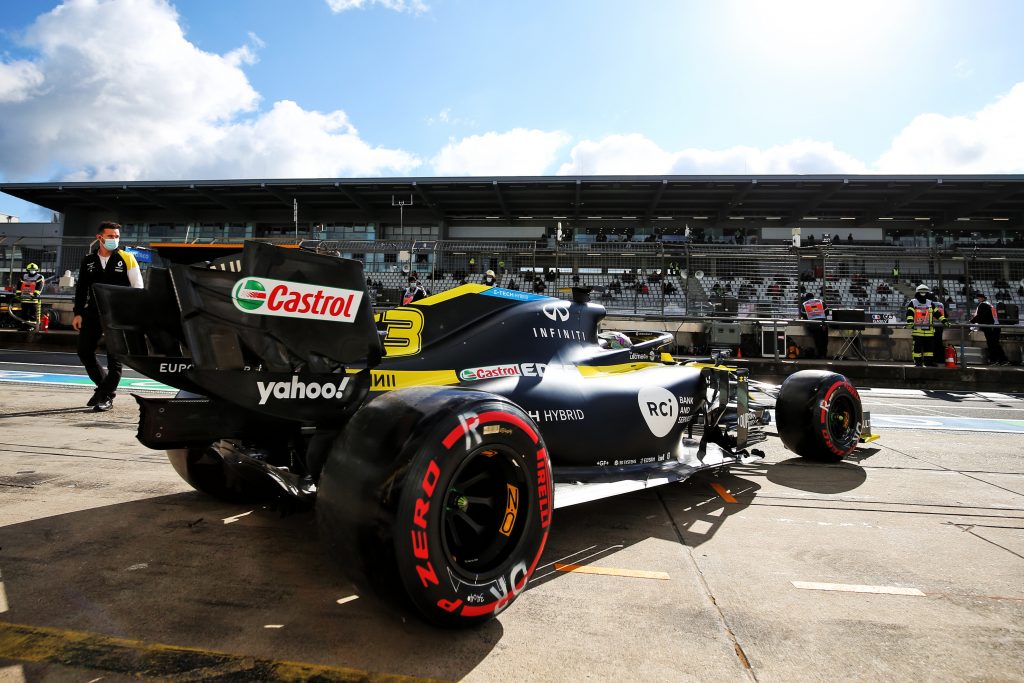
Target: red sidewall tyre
(440, 499)
(818, 414)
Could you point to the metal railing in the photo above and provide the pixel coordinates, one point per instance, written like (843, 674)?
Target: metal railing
(643, 278)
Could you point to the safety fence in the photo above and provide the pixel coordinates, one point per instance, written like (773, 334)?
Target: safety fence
(642, 278)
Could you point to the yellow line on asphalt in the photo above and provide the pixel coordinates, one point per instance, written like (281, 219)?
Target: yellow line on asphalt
(722, 492)
(84, 650)
(608, 571)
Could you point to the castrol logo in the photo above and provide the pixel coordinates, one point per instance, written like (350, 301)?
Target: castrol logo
(263, 296)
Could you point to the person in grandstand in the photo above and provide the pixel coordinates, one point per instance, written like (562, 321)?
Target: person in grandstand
(986, 314)
(922, 316)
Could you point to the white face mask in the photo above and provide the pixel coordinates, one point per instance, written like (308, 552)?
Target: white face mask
(110, 244)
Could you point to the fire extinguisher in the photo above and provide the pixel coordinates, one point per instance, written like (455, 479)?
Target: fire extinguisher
(44, 322)
(950, 356)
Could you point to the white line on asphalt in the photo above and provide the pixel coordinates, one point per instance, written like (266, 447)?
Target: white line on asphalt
(853, 588)
(274, 626)
(929, 411)
(231, 520)
(921, 393)
(3, 598)
(959, 407)
(342, 601)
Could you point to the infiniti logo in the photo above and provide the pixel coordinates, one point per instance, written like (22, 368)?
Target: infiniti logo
(556, 312)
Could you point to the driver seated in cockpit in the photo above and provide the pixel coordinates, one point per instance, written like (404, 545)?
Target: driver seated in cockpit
(610, 339)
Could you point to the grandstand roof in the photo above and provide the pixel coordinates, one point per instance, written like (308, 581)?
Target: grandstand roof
(789, 198)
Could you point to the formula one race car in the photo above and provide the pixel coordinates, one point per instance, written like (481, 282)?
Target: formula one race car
(435, 438)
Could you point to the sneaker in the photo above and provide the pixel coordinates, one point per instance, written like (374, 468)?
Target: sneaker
(104, 404)
(94, 399)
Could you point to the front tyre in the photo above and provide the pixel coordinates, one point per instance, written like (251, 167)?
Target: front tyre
(439, 499)
(819, 415)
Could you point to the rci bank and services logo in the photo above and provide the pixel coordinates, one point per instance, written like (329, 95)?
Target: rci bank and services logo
(263, 296)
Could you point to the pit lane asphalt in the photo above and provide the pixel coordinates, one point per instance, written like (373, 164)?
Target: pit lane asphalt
(112, 567)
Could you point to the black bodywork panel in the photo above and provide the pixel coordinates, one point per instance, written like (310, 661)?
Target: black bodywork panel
(256, 341)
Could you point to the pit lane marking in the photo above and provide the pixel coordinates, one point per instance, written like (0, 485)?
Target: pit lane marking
(85, 650)
(950, 424)
(853, 588)
(610, 571)
(235, 518)
(78, 380)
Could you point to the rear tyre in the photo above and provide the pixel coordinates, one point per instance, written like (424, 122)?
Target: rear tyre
(438, 500)
(819, 415)
(205, 470)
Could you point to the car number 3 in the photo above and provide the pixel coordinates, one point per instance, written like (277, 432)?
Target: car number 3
(403, 329)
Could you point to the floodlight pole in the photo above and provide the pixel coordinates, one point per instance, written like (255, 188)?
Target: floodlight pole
(401, 204)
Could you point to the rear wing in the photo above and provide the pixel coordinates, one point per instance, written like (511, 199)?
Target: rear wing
(286, 317)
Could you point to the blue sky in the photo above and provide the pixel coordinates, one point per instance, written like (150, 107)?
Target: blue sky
(149, 89)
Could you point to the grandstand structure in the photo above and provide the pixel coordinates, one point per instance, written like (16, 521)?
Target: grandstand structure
(664, 245)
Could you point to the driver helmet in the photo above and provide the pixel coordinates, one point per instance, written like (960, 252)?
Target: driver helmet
(616, 340)
(489, 273)
(923, 289)
(32, 269)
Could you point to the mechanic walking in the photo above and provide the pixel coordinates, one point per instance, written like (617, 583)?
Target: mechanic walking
(986, 315)
(112, 266)
(921, 318)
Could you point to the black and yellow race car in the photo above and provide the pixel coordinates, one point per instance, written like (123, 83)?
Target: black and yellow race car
(437, 438)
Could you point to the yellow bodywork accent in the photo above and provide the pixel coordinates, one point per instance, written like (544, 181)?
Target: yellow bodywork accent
(667, 358)
(728, 368)
(387, 380)
(451, 294)
(869, 438)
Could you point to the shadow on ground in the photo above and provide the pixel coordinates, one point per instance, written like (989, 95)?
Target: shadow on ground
(169, 570)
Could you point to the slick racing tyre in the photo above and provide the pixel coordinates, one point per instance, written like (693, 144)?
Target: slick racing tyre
(818, 414)
(439, 500)
(205, 470)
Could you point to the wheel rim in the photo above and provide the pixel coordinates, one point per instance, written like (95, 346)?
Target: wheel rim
(842, 421)
(486, 511)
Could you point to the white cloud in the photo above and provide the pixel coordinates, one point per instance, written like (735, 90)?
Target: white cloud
(636, 154)
(117, 91)
(17, 80)
(517, 152)
(411, 6)
(988, 141)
